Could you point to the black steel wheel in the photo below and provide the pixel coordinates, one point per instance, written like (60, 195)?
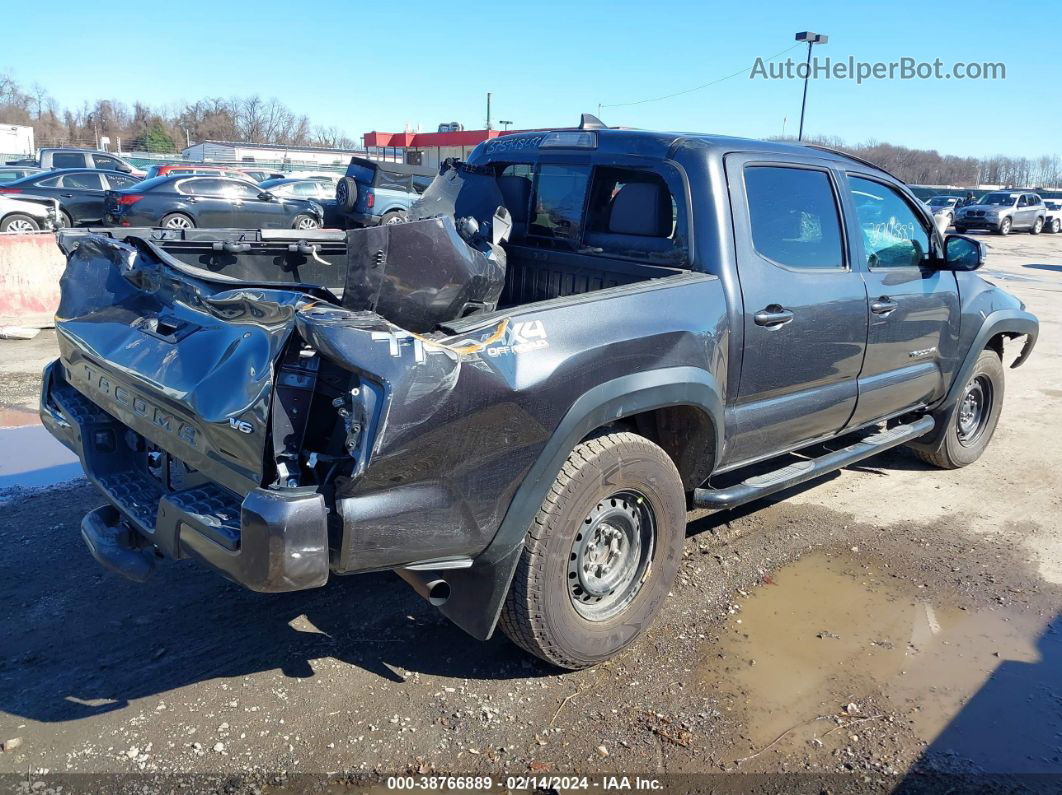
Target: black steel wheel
(968, 425)
(601, 553)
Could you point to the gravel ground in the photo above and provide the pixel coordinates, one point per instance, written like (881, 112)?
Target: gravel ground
(191, 676)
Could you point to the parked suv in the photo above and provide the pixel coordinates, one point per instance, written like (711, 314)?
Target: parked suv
(512, 398)
(375, 193)
(1002, 212)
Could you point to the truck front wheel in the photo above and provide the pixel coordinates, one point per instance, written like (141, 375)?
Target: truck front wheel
(601, 553)
(970, 423)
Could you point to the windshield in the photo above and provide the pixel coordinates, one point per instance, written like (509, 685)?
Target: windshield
(941, 201)
(1001, 199)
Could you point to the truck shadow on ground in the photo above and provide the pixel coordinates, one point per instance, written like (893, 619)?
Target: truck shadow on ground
(1006, 737)
(76, 641)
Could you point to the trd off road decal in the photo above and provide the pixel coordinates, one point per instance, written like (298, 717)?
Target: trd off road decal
(527, 335)
(505, 338)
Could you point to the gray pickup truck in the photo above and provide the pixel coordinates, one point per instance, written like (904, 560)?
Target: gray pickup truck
(513, 398)
(56, 158)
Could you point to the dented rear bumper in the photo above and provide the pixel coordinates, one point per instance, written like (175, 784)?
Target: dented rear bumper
(267, 541)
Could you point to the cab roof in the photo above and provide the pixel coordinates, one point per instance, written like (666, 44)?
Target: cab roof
(645, 143)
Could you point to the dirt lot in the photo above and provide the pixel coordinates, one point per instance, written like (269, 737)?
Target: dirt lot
(887, 624)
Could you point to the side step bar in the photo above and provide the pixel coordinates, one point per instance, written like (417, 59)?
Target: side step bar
(768, 483)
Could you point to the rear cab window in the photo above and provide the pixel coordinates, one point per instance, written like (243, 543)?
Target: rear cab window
(613, 211)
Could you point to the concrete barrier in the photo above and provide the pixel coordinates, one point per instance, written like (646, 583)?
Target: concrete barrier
(30, 267)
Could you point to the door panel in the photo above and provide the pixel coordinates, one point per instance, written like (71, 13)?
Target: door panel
(82, 197)
(914, 310)
(805, 310)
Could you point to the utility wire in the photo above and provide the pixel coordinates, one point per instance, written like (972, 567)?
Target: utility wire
(698, 88)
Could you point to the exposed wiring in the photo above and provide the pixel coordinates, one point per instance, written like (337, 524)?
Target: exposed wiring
(317, 257)
(698, 88)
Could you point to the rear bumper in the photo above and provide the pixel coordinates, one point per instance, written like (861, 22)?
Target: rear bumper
(268, 541)
(362, 219)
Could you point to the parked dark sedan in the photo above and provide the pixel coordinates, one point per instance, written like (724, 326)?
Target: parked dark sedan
(8, 173)
(80, 191)
(187, 202)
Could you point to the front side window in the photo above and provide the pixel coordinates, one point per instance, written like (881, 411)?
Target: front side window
(68, 160)
(893, 235)
(105, 163)
(83, 181)
(794, 216)
(119, 181)
(305, 189)
(557, 205)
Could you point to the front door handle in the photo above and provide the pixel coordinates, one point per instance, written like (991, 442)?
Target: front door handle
(883, 306)
(773, 316)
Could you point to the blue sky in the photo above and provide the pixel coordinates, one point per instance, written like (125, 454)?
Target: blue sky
(361, 67)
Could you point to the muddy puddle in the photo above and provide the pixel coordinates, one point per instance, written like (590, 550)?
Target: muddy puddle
(833, 651)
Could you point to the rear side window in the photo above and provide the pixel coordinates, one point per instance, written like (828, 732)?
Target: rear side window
(201, 186)
(68, 160)
(794, 216)
(83, 181)
(51, 182)
(557, 205)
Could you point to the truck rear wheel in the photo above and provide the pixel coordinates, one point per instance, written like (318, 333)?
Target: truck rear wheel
(970, 423)
(601, 553)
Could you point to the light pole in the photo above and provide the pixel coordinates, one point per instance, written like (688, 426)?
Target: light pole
(505, 122)
(812, 39)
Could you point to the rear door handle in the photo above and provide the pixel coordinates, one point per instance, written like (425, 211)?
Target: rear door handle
(883, 306)
(773, 316)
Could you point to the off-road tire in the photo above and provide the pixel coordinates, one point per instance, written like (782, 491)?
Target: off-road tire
(950, 452)
(539, 614)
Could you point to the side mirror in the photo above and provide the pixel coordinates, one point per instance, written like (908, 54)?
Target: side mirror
(265, 196)
(963, 253)
(124, 168)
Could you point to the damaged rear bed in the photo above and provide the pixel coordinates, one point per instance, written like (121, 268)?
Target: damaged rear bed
(285, 404)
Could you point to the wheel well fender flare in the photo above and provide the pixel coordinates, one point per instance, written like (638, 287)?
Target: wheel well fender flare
(1008, 322)
(479, 592)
